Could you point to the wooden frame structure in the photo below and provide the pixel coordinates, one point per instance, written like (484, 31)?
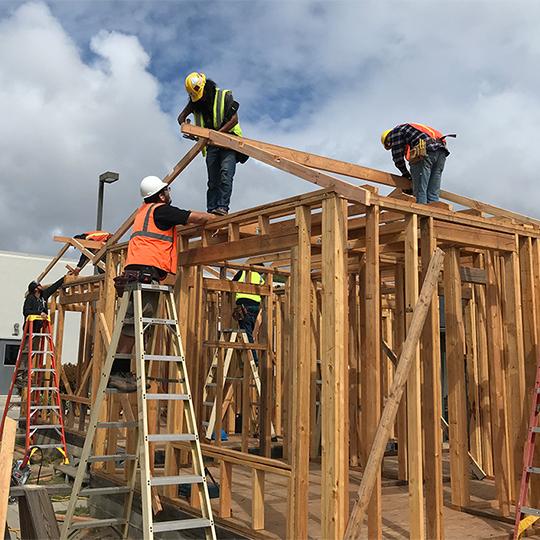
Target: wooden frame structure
(343, 268)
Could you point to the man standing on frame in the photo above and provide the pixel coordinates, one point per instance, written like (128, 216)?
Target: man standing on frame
(216, 109)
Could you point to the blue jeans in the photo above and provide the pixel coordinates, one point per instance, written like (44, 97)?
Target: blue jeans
(248, 324)
(426, 176)
(221, 165)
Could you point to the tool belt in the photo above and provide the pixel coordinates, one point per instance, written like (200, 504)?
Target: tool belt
(418, 152)
(239, 313)
(131, 276)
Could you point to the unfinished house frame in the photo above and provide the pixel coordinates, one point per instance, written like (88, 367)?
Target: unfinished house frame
(342, 273)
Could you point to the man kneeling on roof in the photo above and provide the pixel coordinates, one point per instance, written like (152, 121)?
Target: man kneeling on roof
(152, 254)
(425, 149)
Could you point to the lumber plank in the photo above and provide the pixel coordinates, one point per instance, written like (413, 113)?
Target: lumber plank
(36, 514)
(455, 366)
(7, 447)
(371, 367)
(335, 429)
(297, 523)
(390, 409)
(414, 408)
(173, 174)
(431, 395)
(472, 236)
(497, 390)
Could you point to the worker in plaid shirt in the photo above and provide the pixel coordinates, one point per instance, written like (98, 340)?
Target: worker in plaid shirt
(425, 149)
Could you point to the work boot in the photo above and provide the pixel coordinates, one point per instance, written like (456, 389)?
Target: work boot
(124, 382)
(220, 212)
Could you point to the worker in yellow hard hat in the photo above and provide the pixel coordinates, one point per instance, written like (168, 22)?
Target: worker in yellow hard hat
(425, 149)
(214, 108)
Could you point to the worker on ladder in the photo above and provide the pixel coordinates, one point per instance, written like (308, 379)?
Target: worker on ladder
(425, 149)
(94, 236)
(248, 305)
(152, 254)
(215, 108)
(36, 303)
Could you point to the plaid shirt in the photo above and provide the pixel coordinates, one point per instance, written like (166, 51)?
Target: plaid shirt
(405, 135)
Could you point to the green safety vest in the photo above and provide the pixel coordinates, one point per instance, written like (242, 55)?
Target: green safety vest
(217, 115)
(256, 279)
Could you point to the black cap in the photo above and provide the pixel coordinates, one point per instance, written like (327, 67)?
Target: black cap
(32, 286)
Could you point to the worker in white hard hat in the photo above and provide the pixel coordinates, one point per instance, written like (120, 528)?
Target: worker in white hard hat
(216, 109)
(152, 254)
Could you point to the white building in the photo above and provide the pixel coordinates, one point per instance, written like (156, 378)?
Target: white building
(17, 271)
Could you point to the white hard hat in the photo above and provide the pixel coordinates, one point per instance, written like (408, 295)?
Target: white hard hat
(150, 185)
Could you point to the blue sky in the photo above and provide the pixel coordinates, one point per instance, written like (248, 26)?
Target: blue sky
(89, 86)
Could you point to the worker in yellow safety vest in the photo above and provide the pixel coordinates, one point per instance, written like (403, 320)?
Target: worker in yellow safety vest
(216, 109)
(248, 305)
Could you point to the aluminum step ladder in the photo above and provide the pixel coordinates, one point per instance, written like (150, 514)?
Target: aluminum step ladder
(211, 376)
(141, 458)
(41, 403)
(526, 516)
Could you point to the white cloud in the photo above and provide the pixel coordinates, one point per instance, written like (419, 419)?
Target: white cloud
(342, 71)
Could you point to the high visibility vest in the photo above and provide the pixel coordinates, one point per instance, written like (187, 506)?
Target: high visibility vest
(256, 279)
(149, 245)
(97, 236)
(218, 115)
(429, 131)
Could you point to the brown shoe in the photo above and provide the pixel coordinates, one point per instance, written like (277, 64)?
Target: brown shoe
(123, 382)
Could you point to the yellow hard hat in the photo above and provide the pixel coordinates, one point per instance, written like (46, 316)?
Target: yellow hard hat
(384, 136)
(195, 85)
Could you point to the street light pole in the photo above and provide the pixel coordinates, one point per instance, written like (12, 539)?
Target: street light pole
(107, 177)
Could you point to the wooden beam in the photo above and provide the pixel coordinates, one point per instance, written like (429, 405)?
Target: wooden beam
(297, 522)
(335, 429)
(414, 399)
(497, 388)
(351, 192)
(464, 235)
(390, 409)
(371, 364)
(175, 172)
(54, 260)
(76, 243)
(7, 447)
(431, 395)
(455, 367)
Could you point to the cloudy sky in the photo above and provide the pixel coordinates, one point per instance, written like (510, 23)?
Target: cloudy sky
(92, 86)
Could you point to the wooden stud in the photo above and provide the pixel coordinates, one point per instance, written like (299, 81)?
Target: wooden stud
(334, 492)
(455, 367)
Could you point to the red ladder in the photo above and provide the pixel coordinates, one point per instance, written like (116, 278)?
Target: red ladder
(525, 515)
(42, 391)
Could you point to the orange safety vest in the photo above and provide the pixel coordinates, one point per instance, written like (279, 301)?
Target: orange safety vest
(150, 246)
(97, 236)
(429, 131)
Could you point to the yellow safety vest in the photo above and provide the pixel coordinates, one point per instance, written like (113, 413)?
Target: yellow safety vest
(256, 279)
(217, 115)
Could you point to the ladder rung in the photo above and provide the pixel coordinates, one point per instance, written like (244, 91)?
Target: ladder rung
(59, 445)
(172, 437)
(110, 425)
(91, 523)
(156, 288)
(534, 470)
(530, 511)
(35, 388)
(112, 457)
(40, 334)
(168, 397)
(41, 370)
(163, 358)
(122, 356)
(43, 407)
(45, 426)
(176, 480)
(151, 320)
(41, 352)
(535, 429)
(181, 525)
(113, 490)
